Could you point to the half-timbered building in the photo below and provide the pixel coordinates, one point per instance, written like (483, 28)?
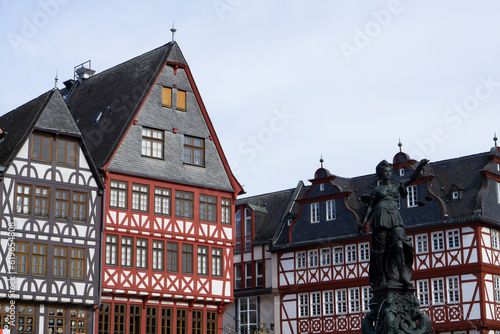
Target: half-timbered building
(451, 214)
(169, 200)
(50, 226)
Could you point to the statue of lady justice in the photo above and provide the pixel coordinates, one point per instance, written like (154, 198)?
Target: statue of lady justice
(392, 252)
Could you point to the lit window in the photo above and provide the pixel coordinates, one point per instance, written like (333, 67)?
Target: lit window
(423, 292)
(42, 199)
(314, 212)
(412, 199)
(162, 201)
(141, 253)
(140, 197)
(303, 305)
(111, 250)
(364, 251)
(313, 258)
(77, 263)
(338, 255)
(453, 239)
(184, 204)
(300, 260)
(341, 301)
(41, 147)
(39, 259)
(79, 206)
(118, 194)
(23, 199)
(194, 151)
(166, 99)
(202, 260)
(217, 262)
(328, 303)
(66, 152)
(152, 143)
(315, 304)
(208, 208)
(437, 291)
(422, 245)
(330, 210)
(437, 241)
(158, 254)
(226, 211)
(326, 257)
(453, 290)
(351, 253)
(354, 300)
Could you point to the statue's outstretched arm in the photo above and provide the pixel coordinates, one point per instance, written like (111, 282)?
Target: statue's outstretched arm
(416, 172)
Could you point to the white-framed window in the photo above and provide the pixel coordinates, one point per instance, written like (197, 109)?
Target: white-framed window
(341, 301)
(366, 295)
(423, 292)
(322, 187)
(453, 290)
(152, 143)
(338, 255)
(401, 172)
(453, 237)
(496, 288)
(350, 251)
(412, 198)
(111, 250)
(437, 241)
(313, 258)
(330, 210)
(437, 291)
(494, 239)
(300, 259)
(326, 258)
(303, 305)
(498, 192)
(422, 243)
(364, 252)
(315, 304)
(237, 276)
(248, 275)
(454, 195)
(248, 314)
(315, 212)
(354, 300)
(328, 303)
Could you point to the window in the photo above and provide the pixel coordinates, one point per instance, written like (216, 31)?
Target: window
(437, 241)
(237, 276)
(326, 257)
(42, 199)
(111, 250)
(172, 257)
(496, 288)
(322, 187)
(350, 253)
(237, 247)
(328, 303)
(259, 271)
(166, 99)
(158, 254)
(366, 296)
(412, 199)
(152, 143)
(23, 199)
(41, 147)
(135, 319)
(194, 151)
(61, 204)
(127, 251)
(55, 320)
(39, 259)
(300, 260)
(141, 253)
(454, 195)
(66, 151)
(181, 99)
(22, 256)
(330, 210)
(208, 208)
(77, 263)
(313, 258)
(151, 319)
(422, 245)
(315, 304)
(197, 321)
(401, 172)
(354, 300)
(494, 239)
(140, 197)
(248, 315)
(184, 204)
(226, 211)
(118, 194)
(104, 319)
(217, 262)
(453, 290)
(77, 321)
(303, 305)
(314, 212)
(364, 252)
(167, 318)
(453, 239)
(202, 260)
(341, 301)
(162, 200)
(60, 261)
(248, 275)
(119, 318)
(211, 322)
(423, 292)
(248, 230)
(338, 255)
(437, 291)
(25, 319)
(187, 258)
(79, 206)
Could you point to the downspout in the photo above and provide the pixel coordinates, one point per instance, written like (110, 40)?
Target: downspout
(103, 215)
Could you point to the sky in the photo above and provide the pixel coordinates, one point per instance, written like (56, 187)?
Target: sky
(288, 82)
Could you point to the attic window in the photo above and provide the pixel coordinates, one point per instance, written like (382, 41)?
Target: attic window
(181, 100)
(322, 187)
(401, 172)
(166, 99)
(454, 195)
(289, 222)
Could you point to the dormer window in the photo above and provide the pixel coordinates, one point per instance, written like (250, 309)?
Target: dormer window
(454, 195)
(412, 199)
(330, 210)
(315, 212)
(42, 147)
(401, 172)
(322, 187)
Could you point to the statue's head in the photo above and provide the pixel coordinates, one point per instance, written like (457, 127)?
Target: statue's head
(382, 166)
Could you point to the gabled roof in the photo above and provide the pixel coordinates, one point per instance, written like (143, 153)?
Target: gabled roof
(48, 112)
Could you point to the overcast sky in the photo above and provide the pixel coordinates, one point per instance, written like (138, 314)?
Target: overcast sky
(285, 82)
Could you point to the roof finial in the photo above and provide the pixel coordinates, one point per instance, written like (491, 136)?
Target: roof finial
(321, 160)
(495, 139)
(400, 144)
(55, 79)
(173, 30)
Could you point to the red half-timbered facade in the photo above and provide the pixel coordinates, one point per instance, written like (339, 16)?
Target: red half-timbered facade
(169, 200)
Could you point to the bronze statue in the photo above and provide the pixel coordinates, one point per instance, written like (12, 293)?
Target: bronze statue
(392, 253)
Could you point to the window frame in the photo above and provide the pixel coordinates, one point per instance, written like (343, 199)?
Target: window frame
(152, 143)
(208, 208)
(364, 251)
(163, 201)
(194, 151)
(166, 97)
(41, 203)
(438, 291)
(202, 260)
(119, 190)
(326, 257)
(127, 252)
(316, 305)
(140, 197)
(217, 262)
(66, 150)
(79, 206)
(172, 257)
(41, 147)
(437, 241)
(39, 259)
(412, 197)
(77, 263)
(225, 211)
(338, 255)
(60, 261)
(315, 210)
(341, 301)
(187, 258)
(453, 239)
(111, 250)
(351, 253)
(421, 243)
(303, 305)
(453, 289)
(141, 253)
(61, 204)
(184, 204)
(158, 255)
(423, 292)
(26, 199)
(331, 210)
(301, 260)
(328, 302)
